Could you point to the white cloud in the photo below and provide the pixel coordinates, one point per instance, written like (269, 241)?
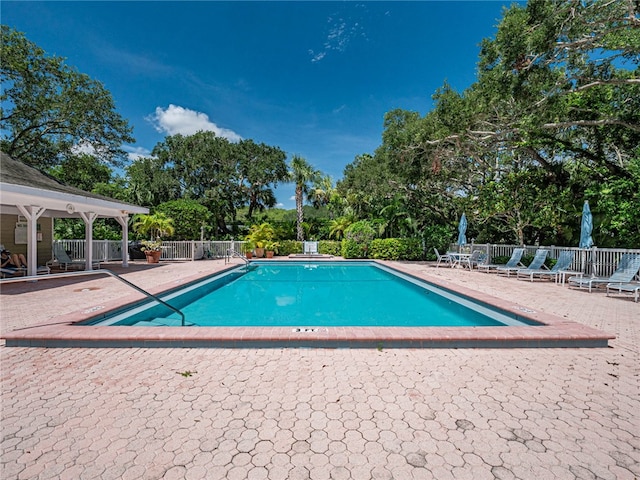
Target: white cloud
(292, 198)
(134, 153)
(341, 32)
(179, 120)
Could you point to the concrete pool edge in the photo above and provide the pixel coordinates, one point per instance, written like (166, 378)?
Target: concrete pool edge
(554, 332)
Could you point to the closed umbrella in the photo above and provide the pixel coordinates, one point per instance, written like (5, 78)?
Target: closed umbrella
(462, 230)
(586, 227)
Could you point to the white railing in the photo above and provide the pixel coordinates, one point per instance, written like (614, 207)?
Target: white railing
(111, 250)
(597, 261)
(103, 250)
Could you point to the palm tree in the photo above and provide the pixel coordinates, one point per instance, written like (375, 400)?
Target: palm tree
(338, 226)
(320, 193)
(157, 225)
(301, 174)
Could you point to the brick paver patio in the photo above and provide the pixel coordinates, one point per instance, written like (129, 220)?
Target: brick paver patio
(320, 413)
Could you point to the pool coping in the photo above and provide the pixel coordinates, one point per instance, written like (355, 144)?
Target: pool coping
(552, 331)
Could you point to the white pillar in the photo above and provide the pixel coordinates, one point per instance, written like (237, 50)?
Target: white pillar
(124, 223)
(32, 214)
(88, 218)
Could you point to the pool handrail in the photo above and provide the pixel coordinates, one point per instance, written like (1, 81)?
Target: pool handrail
(232, 253)
(35, 278)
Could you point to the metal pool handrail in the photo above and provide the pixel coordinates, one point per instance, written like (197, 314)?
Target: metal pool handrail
(233, 253)
(33, 278)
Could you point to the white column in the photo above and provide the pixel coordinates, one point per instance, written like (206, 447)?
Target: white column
(88, 218)
(32, 214)
(124, 223)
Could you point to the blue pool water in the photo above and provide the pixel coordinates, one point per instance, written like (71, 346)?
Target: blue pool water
(314, 294)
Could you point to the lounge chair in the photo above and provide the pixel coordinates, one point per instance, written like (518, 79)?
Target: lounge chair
(443, 258)
(514, 262)
(628, 267)
(19, 272)
(632, 288)
(565, 259)
(536, 264)
(61, 257)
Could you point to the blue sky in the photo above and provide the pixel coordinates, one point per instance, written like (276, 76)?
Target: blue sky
(313, 78)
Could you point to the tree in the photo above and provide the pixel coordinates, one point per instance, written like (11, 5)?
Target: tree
(261, 168)
(49, 110)
(321, 191)
(302, 173)
(82, 171)
(190, 218)
(157, 225)
(151, 182)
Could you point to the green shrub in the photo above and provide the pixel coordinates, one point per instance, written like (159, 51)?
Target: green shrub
(396, 249)
(329, 247)
(357, 240)
(289, 247)
(437, 236)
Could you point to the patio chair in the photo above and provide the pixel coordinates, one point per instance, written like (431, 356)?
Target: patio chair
(536, 264)
(478, 257)
(514, 262)
(61, 257)
(443, 258)
(627, 268)
(565, 259)
(632, 288)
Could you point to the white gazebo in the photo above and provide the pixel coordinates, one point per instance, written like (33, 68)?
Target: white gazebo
(27, 192)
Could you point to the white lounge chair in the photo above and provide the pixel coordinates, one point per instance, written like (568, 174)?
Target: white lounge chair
(632, 288)
(446, 258)
(536, 264)
(514, 262)
(565, 259)
(627, 269)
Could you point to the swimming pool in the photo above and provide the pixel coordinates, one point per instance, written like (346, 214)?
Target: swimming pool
(314, 294)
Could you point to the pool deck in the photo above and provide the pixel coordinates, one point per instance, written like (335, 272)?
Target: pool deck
(318, 413)
(550, 330)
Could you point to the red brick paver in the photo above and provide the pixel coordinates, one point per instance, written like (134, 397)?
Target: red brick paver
(321, 413)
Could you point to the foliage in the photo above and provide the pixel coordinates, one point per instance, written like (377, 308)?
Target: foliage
(358, 239)
(271, 246)
(260, 235)
(553, 119)
(328, 247)
(73, 228)
(49, 109)
(289, 247)
(437, 236)
(396, 249)
(156, 225)
(151, 246)
(191, 219)
(301, 174)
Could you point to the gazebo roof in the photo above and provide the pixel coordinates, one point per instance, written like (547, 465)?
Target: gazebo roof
(21, 184)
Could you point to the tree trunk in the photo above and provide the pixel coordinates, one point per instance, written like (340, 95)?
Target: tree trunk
(300, 215)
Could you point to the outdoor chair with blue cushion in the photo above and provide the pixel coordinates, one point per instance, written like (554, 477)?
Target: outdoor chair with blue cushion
(565, 259)
(627, 269)
(514, 262)
(446, 258)
(536, 264)
(61, 257)
(632, 288)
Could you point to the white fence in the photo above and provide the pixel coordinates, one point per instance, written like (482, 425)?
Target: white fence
(597, 261)
(111, 250)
